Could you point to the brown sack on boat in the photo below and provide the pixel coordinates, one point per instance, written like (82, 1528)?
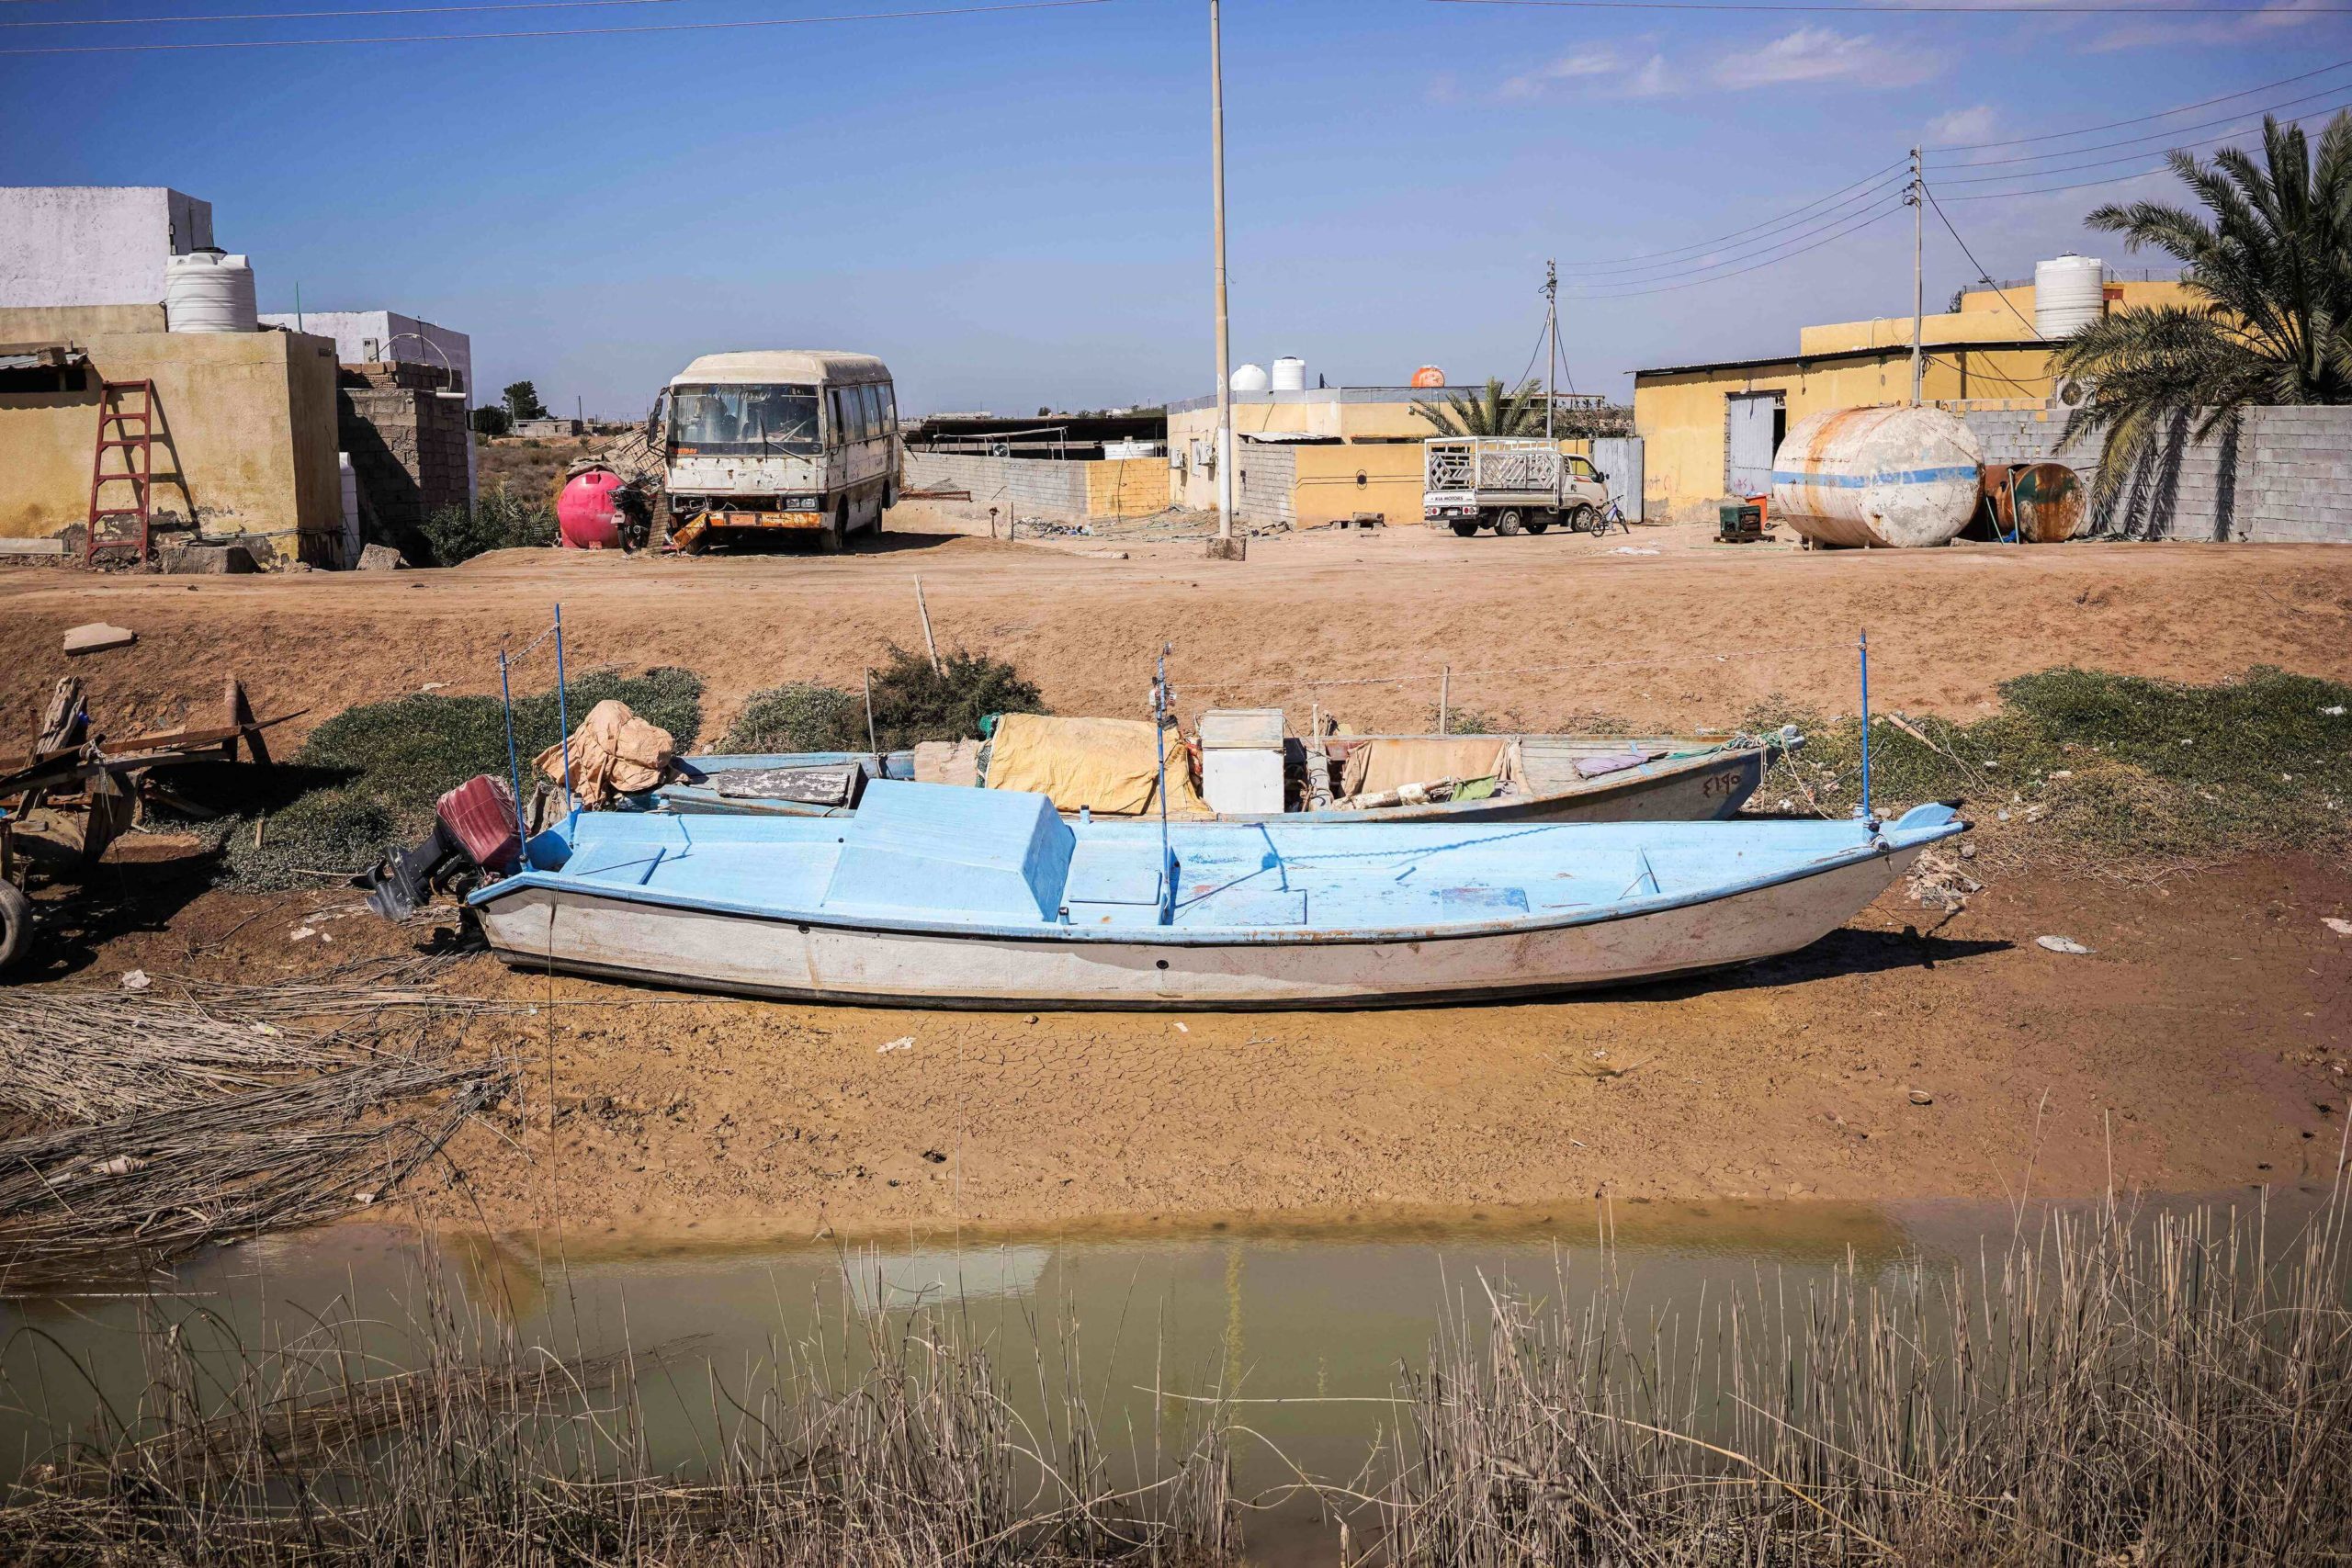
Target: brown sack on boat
(1376, 766)
(613, 753)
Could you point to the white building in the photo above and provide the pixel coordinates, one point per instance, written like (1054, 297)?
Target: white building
(83, 245)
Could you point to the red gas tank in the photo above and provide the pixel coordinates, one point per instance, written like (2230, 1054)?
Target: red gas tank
(588, 513)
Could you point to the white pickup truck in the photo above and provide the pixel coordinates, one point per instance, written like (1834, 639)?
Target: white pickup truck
(1509, 483)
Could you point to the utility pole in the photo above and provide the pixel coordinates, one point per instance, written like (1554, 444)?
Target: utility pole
(1224, 547)
(1552, 334)
(1917, 195)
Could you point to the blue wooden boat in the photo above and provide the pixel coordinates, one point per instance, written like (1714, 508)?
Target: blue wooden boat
(932, 894)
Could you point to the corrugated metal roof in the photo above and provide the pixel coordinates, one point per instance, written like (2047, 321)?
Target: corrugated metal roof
(1802, 360)
(40, 355)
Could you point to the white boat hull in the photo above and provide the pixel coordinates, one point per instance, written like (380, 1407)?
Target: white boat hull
(593, 933)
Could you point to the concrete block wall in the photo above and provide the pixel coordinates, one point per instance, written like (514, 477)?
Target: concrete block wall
(2286, 479)
(1025, 487)
(94, 244)
(410, 450)
(1265, 484)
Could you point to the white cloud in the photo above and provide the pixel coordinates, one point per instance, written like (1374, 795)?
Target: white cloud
(1961, 126)
(1606, 71)
(1825, 54)
(2276, 16)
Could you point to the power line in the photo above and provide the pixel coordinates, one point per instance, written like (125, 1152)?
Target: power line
(1880, 216)
(564, 32)
(2142, 120)
(2134, 157)
(1893, 172)
(2151, 136)
(1982, 271)
(1709, 261)
(307, 15)
(2090, 184)
(1907, 10)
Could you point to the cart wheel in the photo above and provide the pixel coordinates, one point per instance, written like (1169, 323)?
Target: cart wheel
(1507, 522)
(1464, 530)
(16, 925)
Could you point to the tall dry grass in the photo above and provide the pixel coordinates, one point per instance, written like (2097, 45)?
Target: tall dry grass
(2109, 1388)
(896, 1447)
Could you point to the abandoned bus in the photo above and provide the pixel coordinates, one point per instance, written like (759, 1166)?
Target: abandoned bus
(788, 439)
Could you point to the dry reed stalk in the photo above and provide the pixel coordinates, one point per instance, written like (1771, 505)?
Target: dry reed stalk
(96, 1202)
(2108, 1388)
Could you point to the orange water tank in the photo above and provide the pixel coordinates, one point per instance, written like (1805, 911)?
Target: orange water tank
(1429, 376)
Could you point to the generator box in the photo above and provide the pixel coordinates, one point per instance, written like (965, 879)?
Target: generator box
(1242, 762)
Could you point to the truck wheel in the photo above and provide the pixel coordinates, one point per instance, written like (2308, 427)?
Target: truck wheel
(1507, 523)
(16, 925)
(1538, 522)
(1584, 520)
(1464, 530)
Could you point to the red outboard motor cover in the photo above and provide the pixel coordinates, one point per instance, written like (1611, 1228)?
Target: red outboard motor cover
(480, 814)
(587, 513)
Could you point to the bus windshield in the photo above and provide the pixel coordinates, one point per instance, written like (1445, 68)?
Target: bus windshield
(733, 421)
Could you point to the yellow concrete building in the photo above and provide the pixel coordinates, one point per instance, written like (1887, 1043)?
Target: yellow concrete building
(1709, 431)
(244, 428)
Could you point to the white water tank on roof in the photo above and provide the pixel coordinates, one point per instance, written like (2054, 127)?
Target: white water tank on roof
(208, 291)
(2069, 292)
(1290, 374)
(1249, 378)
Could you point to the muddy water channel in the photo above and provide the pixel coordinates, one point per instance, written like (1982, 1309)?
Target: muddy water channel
(1307, 1330)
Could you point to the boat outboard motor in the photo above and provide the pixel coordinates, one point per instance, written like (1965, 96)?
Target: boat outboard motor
(473, 824)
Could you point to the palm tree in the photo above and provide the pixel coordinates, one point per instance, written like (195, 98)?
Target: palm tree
(2269, 263)
(1491, 413)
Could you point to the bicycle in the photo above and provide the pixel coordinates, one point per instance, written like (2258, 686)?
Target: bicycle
(1589, 519)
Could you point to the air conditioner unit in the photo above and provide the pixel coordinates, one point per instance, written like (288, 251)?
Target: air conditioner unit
(2071, 392)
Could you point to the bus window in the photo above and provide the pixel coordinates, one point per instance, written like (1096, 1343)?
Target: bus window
(872, 396)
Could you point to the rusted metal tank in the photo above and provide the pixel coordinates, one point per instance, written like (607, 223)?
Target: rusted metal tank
(2039, 503)
(1878, 478)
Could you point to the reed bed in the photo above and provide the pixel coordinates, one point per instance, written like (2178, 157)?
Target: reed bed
(87, 1056)
(101, 1202)
(2105, 1388)
(896, 1447)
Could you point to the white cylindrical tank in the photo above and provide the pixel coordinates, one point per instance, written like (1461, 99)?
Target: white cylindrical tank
(1290, 374)
(1249, 378)
(207, 292)
(1878, 476)
(2069, 291)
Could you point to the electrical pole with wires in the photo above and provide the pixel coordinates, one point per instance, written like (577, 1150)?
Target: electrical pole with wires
(1224, 547)
(1551, 332)
(1916, 197)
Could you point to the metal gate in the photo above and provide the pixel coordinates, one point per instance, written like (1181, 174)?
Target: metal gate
(1753, 424)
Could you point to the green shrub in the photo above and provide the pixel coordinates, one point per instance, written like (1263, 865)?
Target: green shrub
(373, 771)
(912, 703)
(498, 521)
(2129, 766)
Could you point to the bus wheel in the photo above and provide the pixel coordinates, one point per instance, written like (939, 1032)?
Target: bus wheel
(1506, 524)
(833, 538)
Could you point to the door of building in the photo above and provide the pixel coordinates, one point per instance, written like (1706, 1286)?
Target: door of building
(1753, 425)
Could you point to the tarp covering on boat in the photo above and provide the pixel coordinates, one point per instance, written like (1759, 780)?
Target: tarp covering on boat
(1109, 766)
(1390, 763)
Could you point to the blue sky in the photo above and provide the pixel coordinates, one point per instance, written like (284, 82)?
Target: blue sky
(1013, 208)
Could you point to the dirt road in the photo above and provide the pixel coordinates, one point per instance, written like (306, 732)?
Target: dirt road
(1693, 635)
(2200, 1045)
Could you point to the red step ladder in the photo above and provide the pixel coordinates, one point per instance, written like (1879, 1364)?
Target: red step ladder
(112, 527)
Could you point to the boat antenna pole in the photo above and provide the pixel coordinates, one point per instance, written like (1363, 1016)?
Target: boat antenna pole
(1162, 701)
(1869, 817)
(563, 719)
(513, 764)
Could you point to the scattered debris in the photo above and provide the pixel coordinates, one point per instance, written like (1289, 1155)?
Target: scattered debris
(380, 557)
(903, 1043)
(135, 980)
(208, 560)
(2063, 945)
(2341, 928)
(1937, 884)
(1632, 550)
(1919, 1096)
(2333, 710)
(96, 637)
